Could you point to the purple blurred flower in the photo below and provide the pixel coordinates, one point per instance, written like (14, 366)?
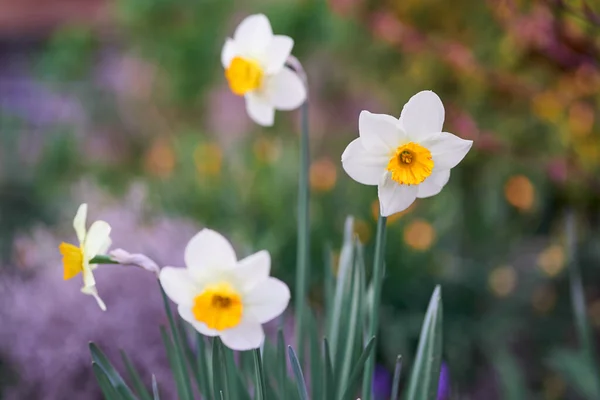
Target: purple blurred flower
(444, 383)
(382, 382)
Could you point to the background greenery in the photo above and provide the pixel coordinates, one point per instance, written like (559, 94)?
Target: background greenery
(520, 78)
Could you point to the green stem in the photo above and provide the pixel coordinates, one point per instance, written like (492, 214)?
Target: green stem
(101, 259)
(302, 259)
(577, 294)
(374, 314)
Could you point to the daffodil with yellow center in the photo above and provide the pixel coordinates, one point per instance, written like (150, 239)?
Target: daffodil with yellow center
(76, 259)
(254, 61)
(407, 158)
(221, 296)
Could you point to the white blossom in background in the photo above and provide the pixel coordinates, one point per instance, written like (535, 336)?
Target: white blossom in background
(221, 296)
(254, 61)
(76, 259)
(407, 158)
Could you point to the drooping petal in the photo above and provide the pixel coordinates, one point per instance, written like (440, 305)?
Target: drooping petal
(259, 109)
(87, 275)
(140, 260)
(285, 90)
(228, 53)
(208, 250)
(434, 183)
(96, 239)
(253, 35)
(179, 285)
(79, 222)
(92, 291)
(363, 166)
(447, 150)
(422, 116)
(252, 270)
(247, 335)
(380, 133)
(393, 197)
(186, 313)
(277, 53)
(267, 300)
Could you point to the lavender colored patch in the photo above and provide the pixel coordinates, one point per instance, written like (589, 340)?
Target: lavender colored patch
(382, 382)
(444, 383)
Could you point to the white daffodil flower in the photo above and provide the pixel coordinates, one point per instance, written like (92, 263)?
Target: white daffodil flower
(406, 158)
(221, 296)
(254, 62)
(76, 259)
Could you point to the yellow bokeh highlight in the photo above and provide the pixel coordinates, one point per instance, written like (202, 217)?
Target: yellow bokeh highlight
(581, 119)
(519, 192)
(502, 280)
(159, 160)
(547, 106)
(363, 230)
(322, 175)
(266, 150)
(208, 158)
(419, 235)
(552, 260)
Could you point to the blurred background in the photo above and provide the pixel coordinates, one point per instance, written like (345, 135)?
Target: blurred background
(123, 104)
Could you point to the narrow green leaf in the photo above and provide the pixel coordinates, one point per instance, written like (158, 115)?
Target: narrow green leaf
(202, 367)
(354, 379)
(178, 357)
(328, 379)
(220, 379)
(115, 378)
(423, 383)
(329, 281)
(109, 392)
(155, 394)
(259, 376)
(169, 348)
(316, 362)
(512, 379)
(236, 389)
(282, 378)
(396, 381)
(300, 383)
(134, 376)
(377, 283)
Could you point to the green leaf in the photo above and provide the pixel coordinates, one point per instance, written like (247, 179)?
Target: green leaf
(202, 367)
(219, 371)
(329, 284)
(396, 381)
(169, 348)
(328, 378)
(115, 379)
(577, 370)
(511, 376)
(109, 392)
(134, 376)
(259, 375)
(424, 379)
(300, 383)
(316, 363)
(282, 378)
(184, 389)
(155, 393)
(357, 370)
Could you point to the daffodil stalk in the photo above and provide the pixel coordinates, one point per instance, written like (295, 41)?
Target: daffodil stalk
(378, 269)
(302, 258)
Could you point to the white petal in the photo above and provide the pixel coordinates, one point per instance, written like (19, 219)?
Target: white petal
(267, 300)
(447, 150)
(277, 53)
(208, 250)
(252, 270)
(247, 335)
(253, 35)
(179, 285)
(380, 133)
(423, 115)
(362, 166)
(259, 109)
(393, 197)
(139, 260)
(91, 291)
(79, 222)
(186, 313)
(96, 239)
(434, 183)
(88, 276)
(285, 90)
(228, 53)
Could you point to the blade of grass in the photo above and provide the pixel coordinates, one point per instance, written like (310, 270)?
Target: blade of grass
(377, 282)
(259, 376)
(171, 357)
(300, 383)
(202, 368)
(316, 362)
(178, 357)
(155, 394)
(329, 281)
(354, 379)
(303, 247)
(396, 381)
(115, 378)
(220, 378)
(282, 378)
(134, 376)
(328, 378)
(109, 392)
(424, 379)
